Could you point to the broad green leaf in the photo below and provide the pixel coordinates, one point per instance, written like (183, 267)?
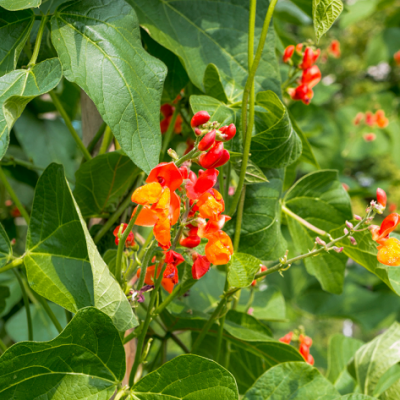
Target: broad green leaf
(388, 386)
(304, 5)
(187, 377)
(242, 268)
(215, 32)
(325, 13)
(18, 88)
(5, 247)
(62, 262)
(15, 28)
(43, 327)
(276, 143)
(320, 199)
(102, 181)
(261, 233)
(100, 49)
(86, 361)
(254, 173)
(45, 141)
(14, 5)
(294, 381)
(212, 83)
(375, 358)
(4, 294)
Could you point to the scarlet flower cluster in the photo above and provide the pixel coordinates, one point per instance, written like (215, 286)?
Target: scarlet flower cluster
(305, 342)
(378, 119)
(119, 230)
(311, 74)
(167, 111)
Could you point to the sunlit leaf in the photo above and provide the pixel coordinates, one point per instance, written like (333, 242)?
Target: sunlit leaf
(325, 13)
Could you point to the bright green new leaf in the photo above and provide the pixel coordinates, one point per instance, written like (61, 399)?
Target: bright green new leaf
(15, 28)
(325, 13)
(62, 262)
(294, 381)
(275, 143)
(102, 181)
(254, 173)
(14, 5)
(100, 49)
(219, 37)
(319, 199)
(86, 361)
(5, 248)
(212, 83)
(18, 88)
(187, 377)
(242, 268)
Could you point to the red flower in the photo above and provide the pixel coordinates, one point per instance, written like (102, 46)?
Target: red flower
(262, 269)
(288, 53)
(334, 48)
(207, 141)
(200, 266)
(191, 241)
(173, 258)
(359, 117)
(119, 230)
(389, 224)
(169, 280)
(299, 48)
(287, 338)
(15, 213)
(306, 340)
(369, 137)
(167, 110)
(219, 248)
(381, 119)
(303, 93)
(166, 174)
(212, 226)
(396, 57)
(200, 118)
(370, 118)
(227, 133)
(309, 58)
(381, 197)
(189, 145)
(311, 76)
(196, 187)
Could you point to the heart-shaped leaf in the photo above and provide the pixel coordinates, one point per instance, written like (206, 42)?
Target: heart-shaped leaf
(62, 262)
(254, 173)
(242, 269)
(18, 88)
(212, 83)
(100, 49)
(325, 13)
(14, 5)
(87, 360)
(15, 28)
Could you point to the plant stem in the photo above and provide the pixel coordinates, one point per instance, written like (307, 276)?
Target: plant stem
(26, 303)
(221, 326)
(179, 343)
(49, 311)
(13, 196)
(303, 221)
(68, 123)
(105, 144)
(146, 261)
(192, 154)
(247, 129)
(11, 161)
(13, 264)
(168, 300)
(121, 244)
(96, 137)
(239, 218)
(170, 130)
(38, 42)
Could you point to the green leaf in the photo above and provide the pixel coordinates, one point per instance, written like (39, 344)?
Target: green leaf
(275, 144)
(14, 5)
(325, 13)
(219, 37)
(4, 294)
(294, 381)
(45, 141)
(5, 248)
(212, 83)
(375, 358)
(254, 173)
(62, 262)
(319, 199)
(304, 5)
(15, 28)
(187, 377)
(100, 49)
(43, 327)
(9, 280)
(102, 181)
(87, 361)
(242, 269)
(356, 397)
(18, 88)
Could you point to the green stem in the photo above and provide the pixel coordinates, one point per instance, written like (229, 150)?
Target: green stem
(239, 218)
(247, 128)
(179, 343)
(13, 264)
(303, 221)
(26, 303)
(12, 161)
(107, 138)
(221, 326)
(3, 347)
(121, 244)
(49, 311)
(146, 261)
(192, 154)
(168, 300)
(38, 42)
(13, 196)
(68, 123)
(170, 130)
(96, 137)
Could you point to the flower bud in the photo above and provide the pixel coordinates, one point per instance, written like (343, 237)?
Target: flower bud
(200, 118)
(302, 92)
(224, 159)
(381, 197)
(198, 132)
(346, 232)
(311, 76)
(299, 48)
(357, 217)
(210, 159)
(309, 58)
(190, 241)
(288, 53)
(337, 249)
(369, 137)
(349, 225)
(208, 141)
(353, 241)
(320, 241)
(226, 133)
(200, 266)
(172, 153)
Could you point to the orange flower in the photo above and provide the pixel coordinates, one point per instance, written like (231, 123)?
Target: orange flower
(389, 224)
(147, 194)
(219, 248)
(169, 280)
(210, 204)
(212, 226)
(166, 174)
(287, 338)
(334, 48)
(381, 119)
(389, 252)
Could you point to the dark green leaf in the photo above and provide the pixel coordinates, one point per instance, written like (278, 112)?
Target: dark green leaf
(14, 5)
(5, 248)
(4, 294)
(242, 269)
(15, 28)
(320, 199)
(187, 377)
(18, 88)
(212, 83)
(62, 262)
(305, 5)
(254, 173)
(325, 13)
(100, 49)
(275, 144)
(102, 181)
(87, 360)
(218, 37)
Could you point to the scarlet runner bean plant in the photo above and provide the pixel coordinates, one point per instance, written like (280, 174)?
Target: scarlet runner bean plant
(163, 206)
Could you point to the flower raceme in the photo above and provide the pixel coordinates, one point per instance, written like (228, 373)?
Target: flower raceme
(304, 344)
(119, 230)
(378, 119)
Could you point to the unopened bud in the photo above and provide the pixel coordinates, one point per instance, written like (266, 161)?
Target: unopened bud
(357, 217)
(135, 247)
(337, 249)
(320, 241)
(353, 241)
(346, 232)
(172, 153)
(13, 241)
(349, 225)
